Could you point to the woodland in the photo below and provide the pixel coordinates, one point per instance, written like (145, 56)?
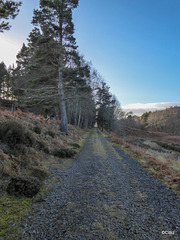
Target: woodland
(51, 78)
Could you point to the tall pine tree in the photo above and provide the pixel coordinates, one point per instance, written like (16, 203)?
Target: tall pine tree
(5, 86)
(55, 18)
(106, 106)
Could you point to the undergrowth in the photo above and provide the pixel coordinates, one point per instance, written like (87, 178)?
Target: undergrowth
(165, 169)
(27, 146)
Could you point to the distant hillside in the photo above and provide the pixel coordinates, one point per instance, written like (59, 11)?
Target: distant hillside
(167, 120)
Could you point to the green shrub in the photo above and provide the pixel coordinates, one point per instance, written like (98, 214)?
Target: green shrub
(51, 134)
(21, 148)
(169, 147)
(12, 133)
(40, 173)
(37, 130)
(23, 185)
(76, 145)
(64, 152)
(42, 146)
(29, 139)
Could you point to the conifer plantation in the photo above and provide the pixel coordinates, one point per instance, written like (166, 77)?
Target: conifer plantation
(51, 78)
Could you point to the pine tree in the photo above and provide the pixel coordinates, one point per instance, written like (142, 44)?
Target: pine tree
(106, 105)
(78, 92)
(37, 77)
(8, 10)
(5, 89)
(55, 19)
(19, 75)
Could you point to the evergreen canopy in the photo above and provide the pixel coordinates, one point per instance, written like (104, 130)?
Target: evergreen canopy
(8, 10)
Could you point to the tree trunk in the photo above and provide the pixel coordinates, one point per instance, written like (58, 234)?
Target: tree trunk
(86, 122)
(79, 118)
(64, 120)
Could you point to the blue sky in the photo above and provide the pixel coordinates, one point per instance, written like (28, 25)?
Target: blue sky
(134, 44)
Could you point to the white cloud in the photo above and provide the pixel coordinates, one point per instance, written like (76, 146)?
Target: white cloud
(9, 47)
(140, 108)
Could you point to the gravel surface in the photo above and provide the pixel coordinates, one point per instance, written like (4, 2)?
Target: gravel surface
(105, 194)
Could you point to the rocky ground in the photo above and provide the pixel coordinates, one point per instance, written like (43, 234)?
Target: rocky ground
(104, 194)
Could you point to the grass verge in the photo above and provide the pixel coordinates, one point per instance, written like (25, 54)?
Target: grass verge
(13, 210)
(166, 170)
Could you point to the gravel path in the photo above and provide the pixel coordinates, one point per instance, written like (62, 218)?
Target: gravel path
(105, 194)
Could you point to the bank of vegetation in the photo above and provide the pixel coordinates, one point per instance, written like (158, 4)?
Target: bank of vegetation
(154, 140)
(29, 145)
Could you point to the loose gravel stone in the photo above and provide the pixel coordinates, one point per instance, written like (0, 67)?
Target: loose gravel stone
(105, 194)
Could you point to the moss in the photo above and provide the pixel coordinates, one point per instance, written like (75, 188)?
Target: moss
(42, 193)
(83, 138)
(12, 211)
(98, 147)
(151, 171)
(176, 166)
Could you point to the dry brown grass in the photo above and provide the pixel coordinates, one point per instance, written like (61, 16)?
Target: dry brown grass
(137, 151)
(162, 169)
(167, 170)
(171, 139)
(22, 159)
(116, 139)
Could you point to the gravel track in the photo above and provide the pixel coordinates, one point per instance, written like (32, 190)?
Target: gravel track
(105, 194)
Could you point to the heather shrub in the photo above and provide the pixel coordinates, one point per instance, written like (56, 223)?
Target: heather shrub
(12, 133)
(41, 145)
(23, 185)
(37, 130)
(64, 152)
(169, 146)
(76, 145)
(51, 134)
(39, 172)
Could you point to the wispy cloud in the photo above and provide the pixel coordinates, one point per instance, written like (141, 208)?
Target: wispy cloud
(140, 108)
